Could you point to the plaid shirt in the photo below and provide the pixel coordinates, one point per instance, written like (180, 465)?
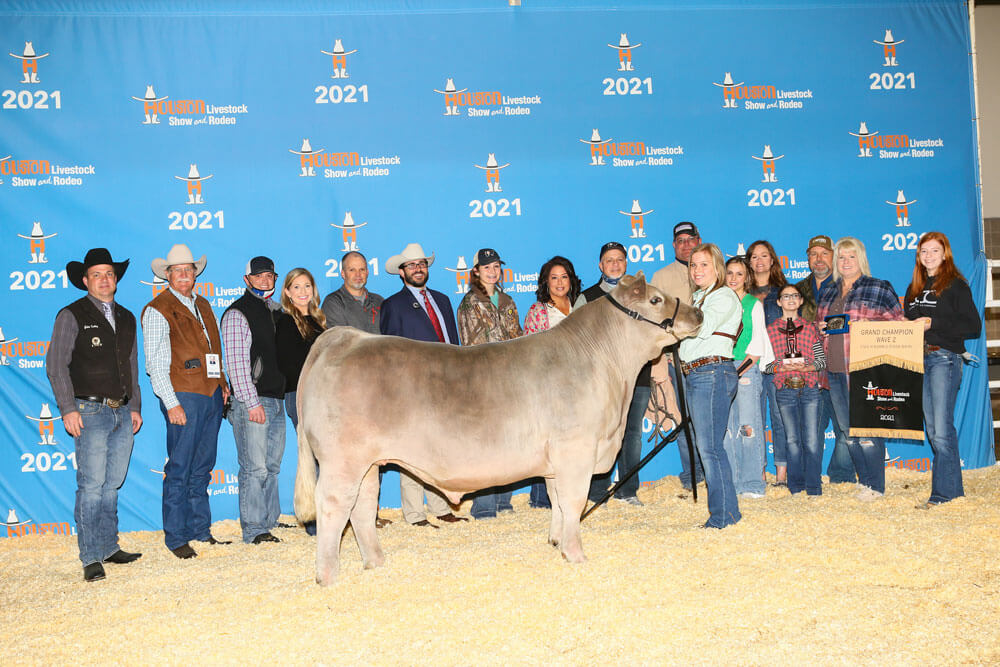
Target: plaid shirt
(808, 344)
(868, 299)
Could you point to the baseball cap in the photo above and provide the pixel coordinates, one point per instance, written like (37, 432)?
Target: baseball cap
(611, 245)
(685, 228)
(260, 264)
(821, 240)
(487, 256)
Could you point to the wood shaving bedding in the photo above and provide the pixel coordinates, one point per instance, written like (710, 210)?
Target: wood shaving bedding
(797, 581)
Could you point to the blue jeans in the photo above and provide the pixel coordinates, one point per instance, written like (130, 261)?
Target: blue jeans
(744, 441)
(259, 448)
(191, 450)
(868, 454)
(800, 410)
(486, 503)
(710, 390)
(629, 455)
(539, 495)
(778, 438)
(682, 449)
(942, 377)
(103, 450)
(841, 468)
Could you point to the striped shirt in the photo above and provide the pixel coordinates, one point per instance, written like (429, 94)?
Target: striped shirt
(156, 347)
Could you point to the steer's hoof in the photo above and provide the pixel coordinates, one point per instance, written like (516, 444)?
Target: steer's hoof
(554, 542)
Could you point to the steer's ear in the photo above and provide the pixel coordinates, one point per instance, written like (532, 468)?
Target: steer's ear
(637, 290)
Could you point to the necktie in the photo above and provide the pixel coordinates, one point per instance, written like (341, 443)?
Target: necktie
(108, 313)
(431, 314)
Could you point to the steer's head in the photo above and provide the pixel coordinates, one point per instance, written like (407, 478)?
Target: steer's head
(679, 320)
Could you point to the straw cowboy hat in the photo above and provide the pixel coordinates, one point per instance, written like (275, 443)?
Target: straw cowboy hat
(449, 87)
(29, 53)
(193, 175)
(411, 253)
(36, 232)
(179, 254)
(636, 209)
(338, 49)
(863, 131)
(348, 222)
(768, 155)
(306, 149)
(75, 271)
(727, 82)
(900, 200)
(595, 138)
(460, 267)
(889, 41)
(150, 96)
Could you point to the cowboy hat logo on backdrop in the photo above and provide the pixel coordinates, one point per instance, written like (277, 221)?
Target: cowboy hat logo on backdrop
(339, 59)
(46, 425)
(36, 245)
(461, 271)
(759, 97)
(24, 173)
(767, 159)
(629, 153)
(889, 48)
(624, 52)
(489, 208)
(19, 527)
(902, 208)
(474, 101)
(194, 181)
(637, 220)
(13, 521)
(349, 232)
(492, 170)
(345, 164)
(183, 112)
(23, 351)
(893, 146)
(29, 63)
(4, 361)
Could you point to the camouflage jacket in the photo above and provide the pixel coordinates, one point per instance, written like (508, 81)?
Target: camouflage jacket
(479, 321)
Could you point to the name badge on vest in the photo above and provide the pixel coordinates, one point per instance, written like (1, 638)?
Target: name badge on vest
(212, 366)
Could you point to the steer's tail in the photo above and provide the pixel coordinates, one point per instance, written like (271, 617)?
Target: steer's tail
(305, 479)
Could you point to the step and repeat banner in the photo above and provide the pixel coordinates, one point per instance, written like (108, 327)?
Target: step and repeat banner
(299, 132)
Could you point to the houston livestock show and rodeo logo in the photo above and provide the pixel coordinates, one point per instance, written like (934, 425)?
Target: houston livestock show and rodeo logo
(620, 84)
(342, 164)
(485, 103)
(30, 97)
(629, 153)
(193, 194)
(760, 96)
(187, 112)
(505, 206)
(343, 91)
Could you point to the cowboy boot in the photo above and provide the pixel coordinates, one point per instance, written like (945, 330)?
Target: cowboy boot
(34, 258)
(4, 361)
(190, 199)
(347, 246)
(42, 259)
(343, 73)
(34, 77)
(26, 79)
(628, 65)
(354, 246)
(198, 199)
(642, 233)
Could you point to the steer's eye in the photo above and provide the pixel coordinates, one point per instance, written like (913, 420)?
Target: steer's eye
(655, 300)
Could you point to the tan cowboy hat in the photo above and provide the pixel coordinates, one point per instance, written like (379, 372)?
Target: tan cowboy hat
(411, 252)
(179, 254)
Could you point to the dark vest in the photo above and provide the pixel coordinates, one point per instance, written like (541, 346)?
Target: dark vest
(188, 343)
(100, 364)
(263, 351)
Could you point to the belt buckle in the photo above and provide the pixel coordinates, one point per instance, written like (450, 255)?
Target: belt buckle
(795, 382)
(112, 403)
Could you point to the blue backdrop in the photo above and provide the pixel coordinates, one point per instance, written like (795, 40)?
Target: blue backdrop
(296, 115)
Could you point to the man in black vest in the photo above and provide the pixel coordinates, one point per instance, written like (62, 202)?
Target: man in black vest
(613, 262)
(92, 367)
(257, 414)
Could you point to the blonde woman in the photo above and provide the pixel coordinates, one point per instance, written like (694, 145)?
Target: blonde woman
(296, 330)
(710, 377)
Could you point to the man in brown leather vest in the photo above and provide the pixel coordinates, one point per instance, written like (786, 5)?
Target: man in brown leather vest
(183, 360)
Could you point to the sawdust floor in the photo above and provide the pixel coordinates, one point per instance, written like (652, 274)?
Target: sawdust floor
(826, 581)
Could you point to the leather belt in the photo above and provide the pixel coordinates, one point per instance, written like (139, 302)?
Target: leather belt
(704, 361)
(110, 402)
(931, 348)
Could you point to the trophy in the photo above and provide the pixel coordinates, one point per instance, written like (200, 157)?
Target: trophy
(792, 354)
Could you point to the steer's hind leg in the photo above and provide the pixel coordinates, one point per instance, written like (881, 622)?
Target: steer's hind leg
(334, 501)
(363, 520)
(555, 525)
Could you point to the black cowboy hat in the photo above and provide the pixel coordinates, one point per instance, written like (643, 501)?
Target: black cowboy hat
(75, 271)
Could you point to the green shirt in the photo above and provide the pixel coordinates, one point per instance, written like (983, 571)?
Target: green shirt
(740, 349)
(722, 312)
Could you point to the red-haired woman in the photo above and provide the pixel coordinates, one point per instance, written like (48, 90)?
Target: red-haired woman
(939, 297)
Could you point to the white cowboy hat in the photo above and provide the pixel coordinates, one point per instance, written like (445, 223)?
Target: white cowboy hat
(767, 155)
(636, 209)
(306, 149)
(491, 163)
(4, 341)
(863, 131)
(889, 41)
(179, 254)
(29, 53)
(900, 200)
(44, 415)
(348, 222)
(460, 266)
(193, 175)
(411, 252)
(727, 81)
(338, 49)
(595, 138)
(150, 96)
(449, 87)
(36, 232)
(12, 519)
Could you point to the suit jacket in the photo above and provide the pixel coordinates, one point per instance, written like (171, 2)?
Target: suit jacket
(402, 316)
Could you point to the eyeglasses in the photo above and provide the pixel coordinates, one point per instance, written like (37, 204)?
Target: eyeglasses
(790, 297)
(411, 266)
